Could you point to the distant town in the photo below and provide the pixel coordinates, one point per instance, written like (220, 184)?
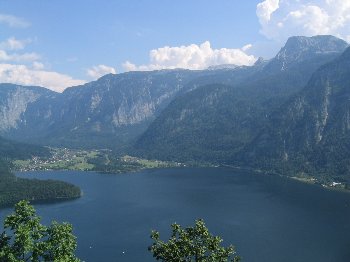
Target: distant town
(89, 160)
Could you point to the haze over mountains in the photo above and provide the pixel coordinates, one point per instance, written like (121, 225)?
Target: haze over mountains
(293, 109)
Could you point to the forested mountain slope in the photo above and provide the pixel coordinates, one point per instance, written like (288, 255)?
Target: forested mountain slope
(215, 122)
(311, 132)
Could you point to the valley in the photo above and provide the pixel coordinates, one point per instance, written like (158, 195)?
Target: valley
(288, 116)
(179, 137)
(211, 131)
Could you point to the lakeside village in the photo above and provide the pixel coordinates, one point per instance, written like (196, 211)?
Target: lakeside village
(89, 160)
(104, 161)
(61, 158)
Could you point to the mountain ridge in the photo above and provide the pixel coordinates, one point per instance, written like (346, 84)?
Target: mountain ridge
(312, 130)
(239, 112)
(237, 116)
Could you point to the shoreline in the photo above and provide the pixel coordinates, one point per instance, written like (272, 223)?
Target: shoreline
(309, 181)
(305, 180)
(44, 201)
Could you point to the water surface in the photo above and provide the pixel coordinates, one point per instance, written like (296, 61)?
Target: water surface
(267, 218)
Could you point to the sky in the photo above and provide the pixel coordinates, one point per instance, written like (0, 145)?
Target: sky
(62, 43)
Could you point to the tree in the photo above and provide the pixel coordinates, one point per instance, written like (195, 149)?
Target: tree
(191, 244)
(25, 239)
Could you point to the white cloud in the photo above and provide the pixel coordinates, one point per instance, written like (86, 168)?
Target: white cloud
(96, 72)
(25, 68)
(25, 57)
(247, 47)
(13, 21)
(281, 19)
(38, 65)
(128, 66)
(23, 75)
(192, 57)
(265, 9)
(14, 44)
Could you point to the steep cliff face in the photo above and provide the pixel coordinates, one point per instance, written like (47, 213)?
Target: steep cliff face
(14, 102)
(14, 106)
(216, 122)
(116, 109)
(106, 112)
(312, 129)
(125, 99)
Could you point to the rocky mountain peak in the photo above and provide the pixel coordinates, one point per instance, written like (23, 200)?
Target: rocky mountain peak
(319, 43)
(301, 48)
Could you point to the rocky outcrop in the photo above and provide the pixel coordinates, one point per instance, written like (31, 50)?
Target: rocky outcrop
(110, 109)
(14, 101)
(313, 127)
(301, 48)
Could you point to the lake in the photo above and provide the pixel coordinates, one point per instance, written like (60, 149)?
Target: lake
(267, 218)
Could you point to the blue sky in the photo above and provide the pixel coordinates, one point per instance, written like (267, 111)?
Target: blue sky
(58, 43)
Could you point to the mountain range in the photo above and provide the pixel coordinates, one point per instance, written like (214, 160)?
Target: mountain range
(215, 122)
(288, 114)
(111, 111)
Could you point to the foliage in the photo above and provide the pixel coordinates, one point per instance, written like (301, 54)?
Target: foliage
(29, 240)
(109, 163)
(11, 149)
(14, 189)
(272, 121)
(225, 111)
(191, 244)
(113, 163)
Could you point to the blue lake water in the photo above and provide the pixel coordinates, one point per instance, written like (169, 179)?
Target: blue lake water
(267, 218)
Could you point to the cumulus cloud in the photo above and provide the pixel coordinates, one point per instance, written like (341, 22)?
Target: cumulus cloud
(192, 57)
(96, 72)
(247, 47)
(14, 44)
(281, 19)
(24, 75)
(9, 47)
(25, 68)
(128, 66)
(14, 57)
(13, 21)
(265, 9)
